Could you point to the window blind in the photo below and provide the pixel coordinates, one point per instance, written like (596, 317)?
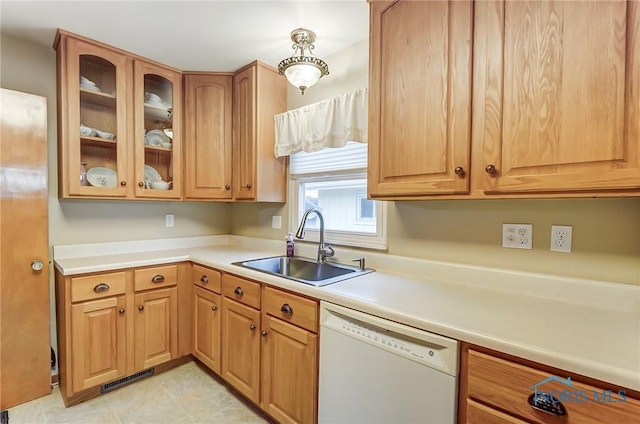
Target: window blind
(351, 156)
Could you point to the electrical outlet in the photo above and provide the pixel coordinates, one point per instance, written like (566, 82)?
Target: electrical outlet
(168, 220)
(561, 236)
(276, 222)
(517, 236)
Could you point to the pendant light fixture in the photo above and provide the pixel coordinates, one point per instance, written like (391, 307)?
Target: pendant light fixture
(303, 70)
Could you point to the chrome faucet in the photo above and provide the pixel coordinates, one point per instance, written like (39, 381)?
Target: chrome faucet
(324, 250)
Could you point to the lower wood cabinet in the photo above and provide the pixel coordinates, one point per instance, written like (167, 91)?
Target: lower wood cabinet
(241, 347)
(99, 341)
(156, 327)
(289, 372)
(496, 388)
(206, 328)
(114, 324)
(269, 344)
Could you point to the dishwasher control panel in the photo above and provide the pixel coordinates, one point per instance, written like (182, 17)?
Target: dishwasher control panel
(394, 342)
(425, 348)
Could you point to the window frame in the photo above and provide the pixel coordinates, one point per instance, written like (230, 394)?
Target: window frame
(377, 240)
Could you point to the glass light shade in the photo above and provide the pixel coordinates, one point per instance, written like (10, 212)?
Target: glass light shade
(303, 75)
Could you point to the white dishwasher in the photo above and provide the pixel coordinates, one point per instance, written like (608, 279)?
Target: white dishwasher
(373, 370)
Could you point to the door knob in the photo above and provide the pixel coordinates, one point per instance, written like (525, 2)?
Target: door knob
(37, 265)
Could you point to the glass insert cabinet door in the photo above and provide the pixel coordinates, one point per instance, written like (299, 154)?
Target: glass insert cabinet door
(158, 99)
(97, 121)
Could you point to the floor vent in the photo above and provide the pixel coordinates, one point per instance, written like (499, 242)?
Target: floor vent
(126, 380)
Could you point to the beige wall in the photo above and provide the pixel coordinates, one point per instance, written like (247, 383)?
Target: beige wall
(606, 232)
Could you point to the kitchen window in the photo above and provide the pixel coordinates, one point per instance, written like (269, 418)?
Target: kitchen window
(334, 180)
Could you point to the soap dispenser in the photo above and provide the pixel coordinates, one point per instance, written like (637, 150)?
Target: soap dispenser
(290, 245)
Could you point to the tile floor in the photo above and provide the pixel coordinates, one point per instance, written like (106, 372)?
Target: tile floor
(186, 394)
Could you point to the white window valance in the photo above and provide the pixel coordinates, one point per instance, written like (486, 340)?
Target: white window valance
(329, 123)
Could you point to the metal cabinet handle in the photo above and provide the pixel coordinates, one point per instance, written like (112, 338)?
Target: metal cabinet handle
(547, 403)
(459, 171)
(248, 185)
(123, 183)
(158, 278)
(37, 265)
(490, 169)
(252, 327)
(263, 333)
(140, 184)
(204, 279)
(239, 291)
(227, 187)
(286, 309)
(121, 311)
(214, 308)
(141, 308)
(101, 288)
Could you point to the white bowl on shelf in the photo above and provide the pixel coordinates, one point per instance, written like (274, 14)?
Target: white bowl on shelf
(87, 131)
(104, 134)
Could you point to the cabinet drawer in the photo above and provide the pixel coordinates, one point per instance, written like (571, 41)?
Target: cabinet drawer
(97, 286)
(158, 276)
(207, 278)
(507, 386)
(478, 413)
(289, 307)
(241, 290)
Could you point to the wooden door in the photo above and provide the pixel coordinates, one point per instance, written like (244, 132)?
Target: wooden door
(156, 327)
(244, 137)
(157, 100)
(206, 328)
(98, 340)
(420, 97)
(208, 107)
(25, 367)
(289, 372)
(241, 348)
(98, 105)
(559, 97)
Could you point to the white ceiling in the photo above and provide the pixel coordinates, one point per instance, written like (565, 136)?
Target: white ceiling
(194, 35)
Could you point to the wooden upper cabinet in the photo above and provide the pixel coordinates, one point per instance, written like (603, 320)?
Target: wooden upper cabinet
(558, 96)
(208, 132)
(420, 97)
(93, 87)
(259, 93)
(158, 129)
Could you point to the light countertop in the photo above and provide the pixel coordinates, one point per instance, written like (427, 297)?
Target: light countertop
(586, 327)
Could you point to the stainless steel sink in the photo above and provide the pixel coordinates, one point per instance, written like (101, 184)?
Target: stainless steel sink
(304, 270)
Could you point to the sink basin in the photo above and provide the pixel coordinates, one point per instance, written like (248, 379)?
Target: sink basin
(304, 270)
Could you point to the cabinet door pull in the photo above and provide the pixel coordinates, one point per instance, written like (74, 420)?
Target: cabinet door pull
(248, 186)
(548, 403)
(204, 279)
(238, 291)
(140, 184)
(158, 278)
(490, 169)
(214, 308)
(252, 327)
(263, 333)
(101, 288)
(123, 183)
(141, 308)
(459, 171)
(227, 187)
(121, 311)
(286, 309)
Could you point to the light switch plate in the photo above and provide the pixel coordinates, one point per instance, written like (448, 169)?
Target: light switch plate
(276, 222)
(169, 220)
